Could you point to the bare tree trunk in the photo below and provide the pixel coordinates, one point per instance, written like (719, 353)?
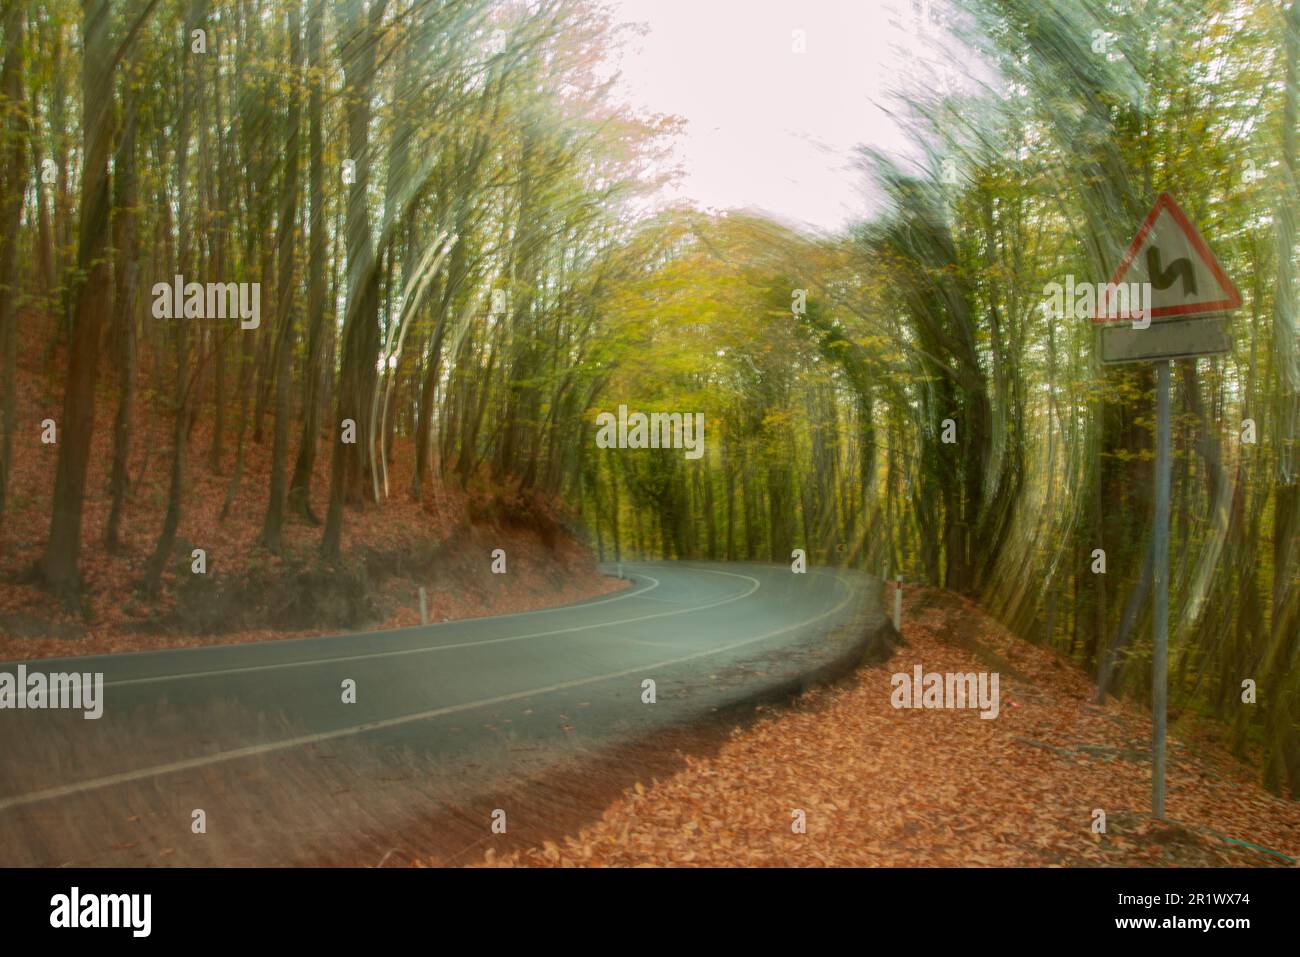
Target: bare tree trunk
(360, 330)
(305, 465)
(57, 568)
(274, 521)
(13, 190)
(1283, 762)
(154, 568)
(126, 254)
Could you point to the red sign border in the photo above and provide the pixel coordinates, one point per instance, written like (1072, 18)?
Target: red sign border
(1166, 201)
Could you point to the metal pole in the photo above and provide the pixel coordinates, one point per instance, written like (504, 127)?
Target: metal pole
(1160, 584)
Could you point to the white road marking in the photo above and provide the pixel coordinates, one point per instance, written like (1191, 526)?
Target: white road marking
(430, 649)
(124, 777)
(83, 660)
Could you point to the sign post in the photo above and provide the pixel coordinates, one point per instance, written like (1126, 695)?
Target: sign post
(1189, 293)
(1160, 585)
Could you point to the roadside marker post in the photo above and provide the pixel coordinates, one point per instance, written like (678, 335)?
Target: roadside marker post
(1190, 297)
(424, 608)
(898, 603)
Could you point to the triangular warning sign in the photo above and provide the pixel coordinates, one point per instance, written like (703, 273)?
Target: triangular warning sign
(1168, 252)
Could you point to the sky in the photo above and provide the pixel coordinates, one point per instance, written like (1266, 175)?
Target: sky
(770, 128)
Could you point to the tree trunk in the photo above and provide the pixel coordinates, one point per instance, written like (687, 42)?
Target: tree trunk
(152, 584)
(360, 328)
(274, 521)
(305, 465)
(127, 259)
(13, 189)
(57, 568)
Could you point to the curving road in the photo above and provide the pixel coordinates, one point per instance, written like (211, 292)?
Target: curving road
(467, 705)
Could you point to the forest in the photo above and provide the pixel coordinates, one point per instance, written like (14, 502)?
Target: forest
(427, 261)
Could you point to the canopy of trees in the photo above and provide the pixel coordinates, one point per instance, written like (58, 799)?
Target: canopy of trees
(441, 203)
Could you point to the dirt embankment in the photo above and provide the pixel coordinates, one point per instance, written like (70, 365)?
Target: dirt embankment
(443, 542)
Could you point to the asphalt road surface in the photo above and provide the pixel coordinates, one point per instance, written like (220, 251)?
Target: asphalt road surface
(259, 737)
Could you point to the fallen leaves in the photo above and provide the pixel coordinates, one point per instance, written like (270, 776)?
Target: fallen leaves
(547, 567)
(907, 787)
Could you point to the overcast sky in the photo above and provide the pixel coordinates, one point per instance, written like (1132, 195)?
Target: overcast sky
(769, 128)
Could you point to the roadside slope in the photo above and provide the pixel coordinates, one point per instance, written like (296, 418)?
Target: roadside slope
(881, 786)
(443, 542)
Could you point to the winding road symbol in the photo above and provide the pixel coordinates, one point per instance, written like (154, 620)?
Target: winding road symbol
(1169, 253)
(1164, 278)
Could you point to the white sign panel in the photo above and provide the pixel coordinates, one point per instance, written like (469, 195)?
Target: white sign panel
(1185, 278)
(1165, 340)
